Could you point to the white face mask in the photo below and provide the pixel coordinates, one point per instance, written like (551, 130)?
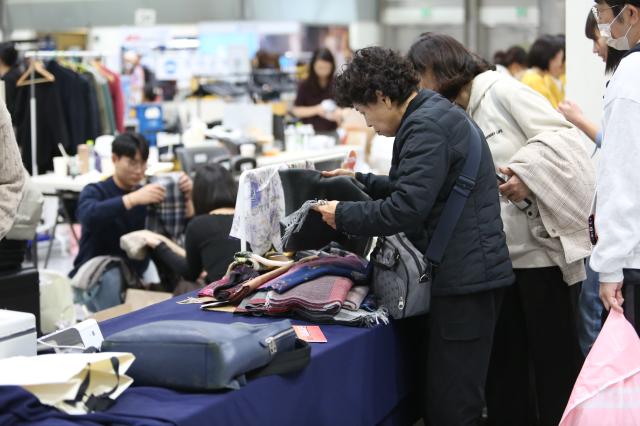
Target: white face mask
(620, 43)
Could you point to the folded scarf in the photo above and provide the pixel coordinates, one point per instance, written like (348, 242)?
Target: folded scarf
(237, 293)
(359, 318)
(355, 297)
(350, 266)
(236, 275)
(324, 294)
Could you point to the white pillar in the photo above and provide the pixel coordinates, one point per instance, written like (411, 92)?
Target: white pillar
(585, 70)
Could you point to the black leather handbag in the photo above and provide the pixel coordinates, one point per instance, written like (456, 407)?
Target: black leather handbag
(200, 355)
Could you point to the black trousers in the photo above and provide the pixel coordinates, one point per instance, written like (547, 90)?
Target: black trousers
(536, 356)
(460, 336)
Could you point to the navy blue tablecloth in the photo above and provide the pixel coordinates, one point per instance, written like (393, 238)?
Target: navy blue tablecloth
(360, 377)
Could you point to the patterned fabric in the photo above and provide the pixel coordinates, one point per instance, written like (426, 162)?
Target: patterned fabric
(324, 294)
(359, 318)
(259, 209)
(168, 217)
(350, 266)
(237, 275)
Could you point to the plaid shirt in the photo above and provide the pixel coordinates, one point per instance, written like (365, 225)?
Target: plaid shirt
(168, 217)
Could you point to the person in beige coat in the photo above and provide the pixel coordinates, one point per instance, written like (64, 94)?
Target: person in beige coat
(12, 173)
(545, 204)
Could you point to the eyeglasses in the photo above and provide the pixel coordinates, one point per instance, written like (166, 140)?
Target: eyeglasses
(133, 164)
(597, 12)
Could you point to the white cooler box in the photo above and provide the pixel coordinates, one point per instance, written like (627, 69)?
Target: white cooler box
(17, 334)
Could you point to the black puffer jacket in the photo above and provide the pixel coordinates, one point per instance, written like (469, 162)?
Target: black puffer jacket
(429, 151)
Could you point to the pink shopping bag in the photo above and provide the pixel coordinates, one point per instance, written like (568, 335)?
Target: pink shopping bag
(607, 392)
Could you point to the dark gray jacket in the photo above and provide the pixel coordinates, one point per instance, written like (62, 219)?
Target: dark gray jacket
(429, 151)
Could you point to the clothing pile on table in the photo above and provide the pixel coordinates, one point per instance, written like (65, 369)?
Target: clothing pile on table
(83, 102)
(323, 286)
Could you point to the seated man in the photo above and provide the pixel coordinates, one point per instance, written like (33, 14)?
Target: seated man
(109, 209)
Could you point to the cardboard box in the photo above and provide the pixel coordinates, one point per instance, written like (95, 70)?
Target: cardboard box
(135, 299)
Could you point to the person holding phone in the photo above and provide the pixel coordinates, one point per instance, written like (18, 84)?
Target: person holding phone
(540, 160)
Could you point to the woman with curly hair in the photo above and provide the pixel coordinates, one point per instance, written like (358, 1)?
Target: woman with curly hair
(432, 141)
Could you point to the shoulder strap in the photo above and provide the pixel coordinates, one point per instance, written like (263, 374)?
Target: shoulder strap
(457, 199)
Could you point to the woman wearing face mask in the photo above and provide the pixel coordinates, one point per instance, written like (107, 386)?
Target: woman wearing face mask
(611, 57)
(616, 256)
(432, 142)
(314, 102)
(537, 149)
(546, 62)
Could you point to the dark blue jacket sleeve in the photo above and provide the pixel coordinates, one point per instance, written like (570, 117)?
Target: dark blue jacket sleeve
(376, 186)
(422, 170)
(93, 210)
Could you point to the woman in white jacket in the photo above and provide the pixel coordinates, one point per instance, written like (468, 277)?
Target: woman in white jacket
(546, 168)
(617, 220)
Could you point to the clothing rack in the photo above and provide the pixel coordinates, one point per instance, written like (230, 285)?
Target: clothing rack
(47, 54)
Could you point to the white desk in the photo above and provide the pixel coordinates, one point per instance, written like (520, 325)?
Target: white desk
(50, 183)
(338, 152)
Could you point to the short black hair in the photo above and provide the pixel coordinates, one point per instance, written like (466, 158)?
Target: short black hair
(499, 58)
(8, 54)
(213, 188)
(617, 5)
(592, 33)
(372, 69)
(128, 144)
(543, 50)
(452, 64)
(516, 55)
(591, 27)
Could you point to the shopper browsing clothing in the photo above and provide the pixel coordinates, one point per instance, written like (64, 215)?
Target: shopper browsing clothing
(118, 205)
(314, 102)
(208, 245)
(545, 203)
(432, 139)
(546, 62)
(617, 251)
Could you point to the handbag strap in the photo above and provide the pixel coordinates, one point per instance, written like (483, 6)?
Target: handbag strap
(457, 199)
(100, 402)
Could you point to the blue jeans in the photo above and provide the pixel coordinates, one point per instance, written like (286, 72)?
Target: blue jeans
(106, 293)
(589, 310)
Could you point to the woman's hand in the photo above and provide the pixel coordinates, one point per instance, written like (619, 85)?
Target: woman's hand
(611, 296)
(328, 212)
(514, 189)
(339, 172)
(571, 112)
